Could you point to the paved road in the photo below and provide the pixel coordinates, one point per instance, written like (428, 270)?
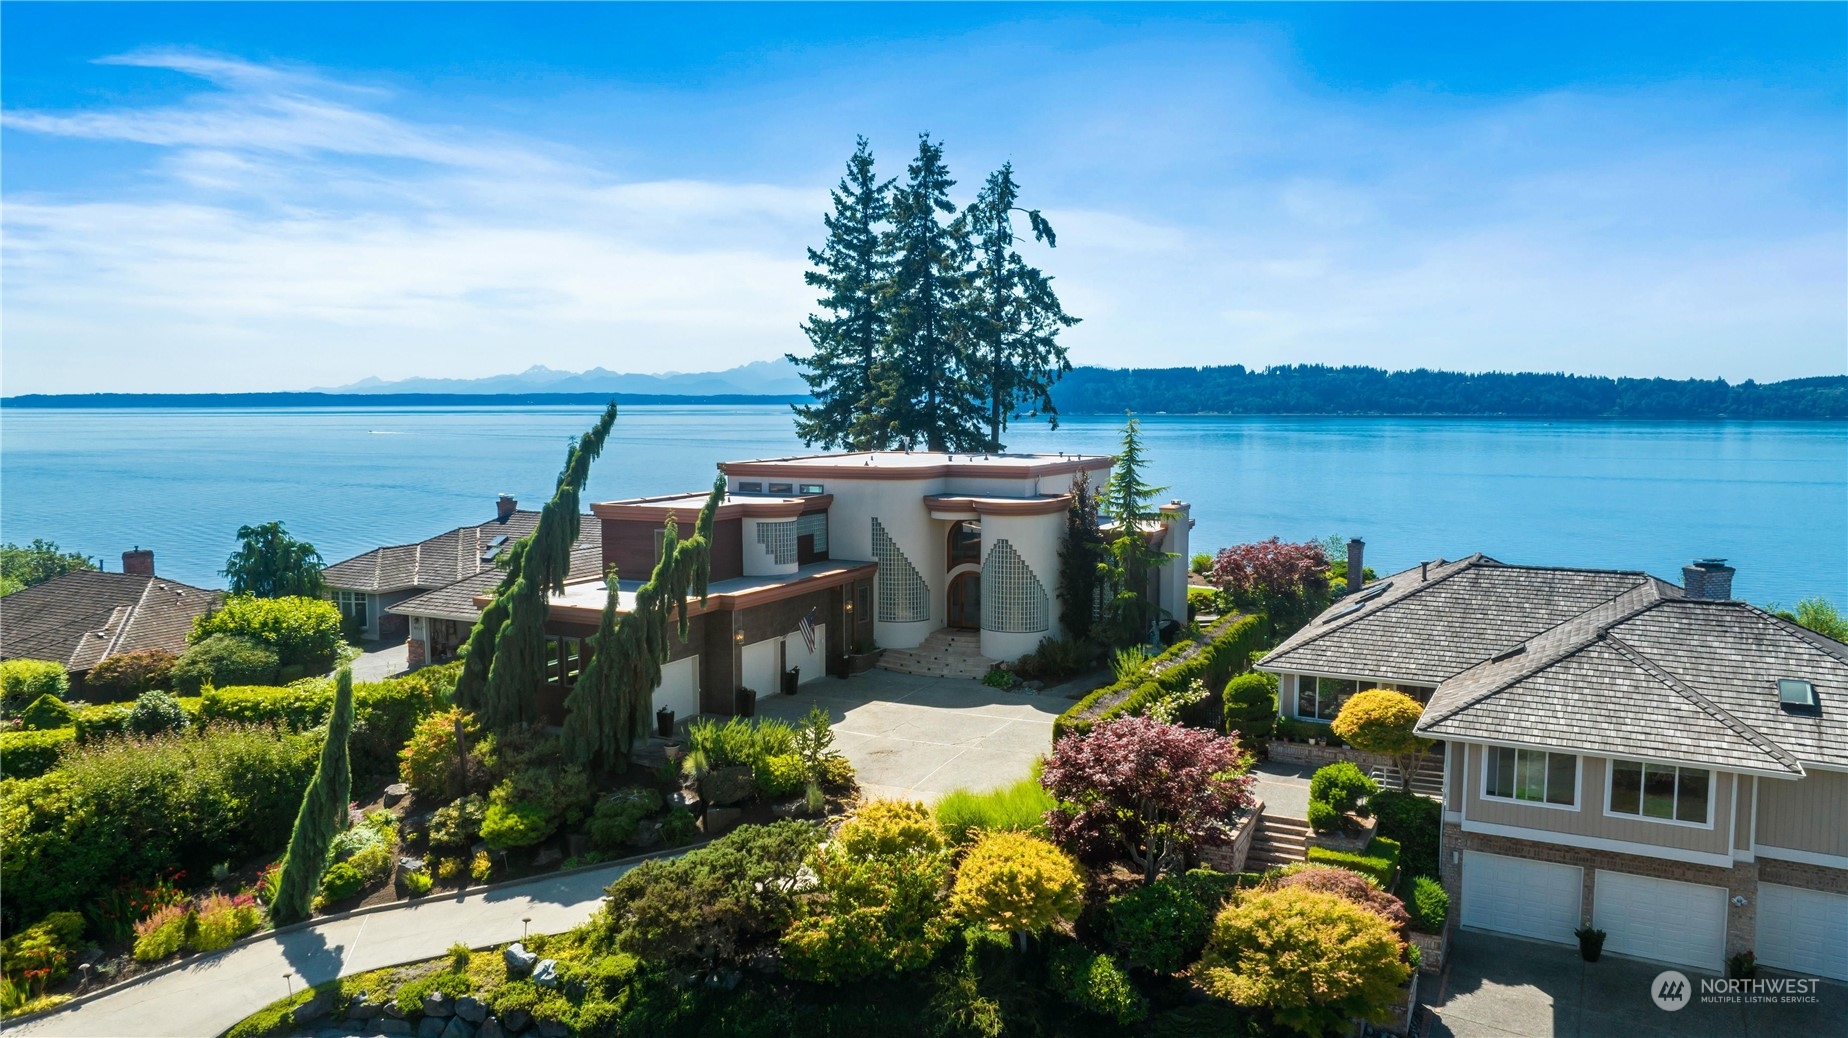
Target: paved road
(215, 992)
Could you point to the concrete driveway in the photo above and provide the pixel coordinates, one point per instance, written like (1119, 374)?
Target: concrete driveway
(1496, 986)
(917, 738)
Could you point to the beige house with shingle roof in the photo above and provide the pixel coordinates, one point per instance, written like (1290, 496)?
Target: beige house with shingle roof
(1666, 764)
(81, 618)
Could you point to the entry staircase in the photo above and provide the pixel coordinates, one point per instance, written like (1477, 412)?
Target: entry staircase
(947, 653)
(1429, 782)
(1278, 842)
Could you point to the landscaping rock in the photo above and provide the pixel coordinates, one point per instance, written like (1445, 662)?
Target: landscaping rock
(362, 1008)
(432, 1027)
(546, 973)
(790, 808)
(315, 1008)
(410, 865)
(491, 1028)
(459, 1028)
(438, 1004)
(647, 834)
(687, 798)
(391, 1010)
(720, 820)
(519, 961)
(553, 1029)
(726, 786)
(548, 855)
(393, 1027)
(395, 792)
(516, 1020)
(469, 1008)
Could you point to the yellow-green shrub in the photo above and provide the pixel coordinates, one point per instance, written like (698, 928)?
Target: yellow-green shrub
(22, 681)
(26, 755)
(221, 920)
(163, 933)
(890, 827)
(1010, 881)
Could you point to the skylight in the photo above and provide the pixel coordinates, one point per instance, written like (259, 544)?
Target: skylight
(1349, 611)
(1795, 692)
(1374, 592)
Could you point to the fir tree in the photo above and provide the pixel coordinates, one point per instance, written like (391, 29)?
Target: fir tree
(850, 336)
(925, 392)
(610, 703)
(506, 651)
(1128, 611)
(323, 813)
(1079, 558)
(1013, 316)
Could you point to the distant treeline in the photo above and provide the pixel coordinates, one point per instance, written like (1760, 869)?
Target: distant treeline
(376, 399)
(1320, 390)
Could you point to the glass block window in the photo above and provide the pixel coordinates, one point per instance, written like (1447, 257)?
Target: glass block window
(1013, 599)
(903, 595)
(814, 524)
(779, 539)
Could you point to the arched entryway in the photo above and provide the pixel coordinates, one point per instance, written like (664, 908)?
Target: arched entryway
(965, 601)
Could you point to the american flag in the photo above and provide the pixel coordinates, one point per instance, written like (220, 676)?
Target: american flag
(807, 623)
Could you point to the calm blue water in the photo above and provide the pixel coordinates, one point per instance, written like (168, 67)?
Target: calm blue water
(1773, 498)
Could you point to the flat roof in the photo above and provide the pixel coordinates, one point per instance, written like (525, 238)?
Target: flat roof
(583, 601)
(685, 507)
(916, 464)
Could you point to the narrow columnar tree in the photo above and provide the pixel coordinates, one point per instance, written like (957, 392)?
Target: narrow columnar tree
(1128, 610)
(609, 705)
(849, 336)
(1012, 315)
(506, 650)
(323, 813)
(926, 393)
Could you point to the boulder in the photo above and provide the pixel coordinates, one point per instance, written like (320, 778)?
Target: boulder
(516, 1020)
(647, 834)
(469, 1008)
(395, 1028)
(432, 1027)
(519, 961)
(390, 1009)
(546, 973)
(720, 820)
(553, 1029)
(438, 1004)
(790, 808)
(491, 1028)
(548, 855)
(726, 786)
(395, 792)
(362, 1008)
(459, 1028)
(686, 798)
(315, 1008)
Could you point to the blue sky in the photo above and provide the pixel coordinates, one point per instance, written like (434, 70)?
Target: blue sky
(278, 196)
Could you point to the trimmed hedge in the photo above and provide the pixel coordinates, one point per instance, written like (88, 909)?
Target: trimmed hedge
(1380, 861)
(384, 712)
(1430, 904)
(29, 754)
(1226, 652)
(1414, 821)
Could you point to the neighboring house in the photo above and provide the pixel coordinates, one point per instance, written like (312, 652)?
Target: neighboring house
(81, 618)
(366, 586)
(440, 621)
(1666, 765)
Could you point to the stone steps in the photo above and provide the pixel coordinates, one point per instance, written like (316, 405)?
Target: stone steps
(1278, 842)
(944, 654)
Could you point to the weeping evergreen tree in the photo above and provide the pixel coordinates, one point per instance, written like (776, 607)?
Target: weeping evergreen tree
(845, 366)
(323, 813)
(506, 650)
(1130, 559)
(1013, 317)
(610, 704)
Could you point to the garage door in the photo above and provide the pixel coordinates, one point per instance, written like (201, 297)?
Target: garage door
(760, 667)
(1517, 896)
(679, 688)
(814, 664)
(1682, 923)
(1803, 930)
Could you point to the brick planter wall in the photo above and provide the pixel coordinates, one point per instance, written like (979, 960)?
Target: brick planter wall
(1229, 858)
(1303, 753)
(1432, 947)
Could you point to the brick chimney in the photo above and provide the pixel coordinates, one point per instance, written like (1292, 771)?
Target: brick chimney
(140, 561)
(1357, 564)
(1708, 578)
(505, 506)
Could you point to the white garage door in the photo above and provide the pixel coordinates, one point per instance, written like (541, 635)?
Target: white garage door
(760, 667)
(1513, 895)
(813, 664)
(1803, 930)
(1662, 919)
(679, 688)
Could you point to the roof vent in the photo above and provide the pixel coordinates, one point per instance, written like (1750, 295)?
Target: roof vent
(1339, 614)
(1796, 693)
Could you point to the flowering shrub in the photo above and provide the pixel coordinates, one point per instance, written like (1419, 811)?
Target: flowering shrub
(1151, 789)
(162, 933)
(428, 761)
(223, 919)
(1010, 881)
(41, 954)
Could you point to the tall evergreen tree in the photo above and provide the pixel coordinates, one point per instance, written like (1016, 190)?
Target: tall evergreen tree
(850, 335)
(1079, 558)
(506, 650)
(925, 392)
(1013, 317)
(609, 706)
(1128, 610)
(269, 563)
(322, 814)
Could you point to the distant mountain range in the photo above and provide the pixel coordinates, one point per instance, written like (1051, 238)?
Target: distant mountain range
(762, 378)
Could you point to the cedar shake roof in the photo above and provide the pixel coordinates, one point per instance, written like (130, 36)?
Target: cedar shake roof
(1660, 676)
(1426, 627)
(442, 560)
(80, 618)
(457, 600)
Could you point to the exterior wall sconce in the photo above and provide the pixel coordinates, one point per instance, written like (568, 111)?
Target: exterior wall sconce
(849, 606)
(738, 636)
(1740, 900)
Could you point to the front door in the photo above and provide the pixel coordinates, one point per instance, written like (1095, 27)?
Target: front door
(965, 604)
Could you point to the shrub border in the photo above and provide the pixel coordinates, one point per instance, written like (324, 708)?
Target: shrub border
(1237, 634)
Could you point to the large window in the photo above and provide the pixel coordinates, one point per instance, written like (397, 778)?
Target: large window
(965, 545)
(814, 525)
(1662, 792)
(1320, 699)
(356, 606)
(1535, 776)
(1013, 599)
(903, 595)
(779, 541)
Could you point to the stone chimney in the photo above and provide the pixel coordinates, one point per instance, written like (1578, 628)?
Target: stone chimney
(1357, 564)
(140, 561)
(504, 507)
(1708, 578)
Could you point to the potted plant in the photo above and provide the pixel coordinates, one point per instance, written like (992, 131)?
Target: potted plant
(664, 722)
(1742, 966)
(1591, 942)
(747, 701)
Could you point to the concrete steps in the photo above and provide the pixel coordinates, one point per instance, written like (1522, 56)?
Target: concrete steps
(1278, 842)
(1429, 782)
(945, 654)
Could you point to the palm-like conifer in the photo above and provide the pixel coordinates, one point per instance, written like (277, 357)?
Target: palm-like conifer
(322, 814)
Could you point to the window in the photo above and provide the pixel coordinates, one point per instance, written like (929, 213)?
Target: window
(814, 524)
(1661, 791)
(1320, 699)
(1013, 599)
(356, 606)
(1535, 776)
(809, 488)
(965, 543)
(751, 487)
(903, 595)
(779, 540)
(781, 488)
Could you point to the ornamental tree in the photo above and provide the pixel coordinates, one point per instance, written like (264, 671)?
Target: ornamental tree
(323, 813)
(1012, 881)
(1310, 960)
(1146, 789)
(1287, 582)
(1346, 883)
(1382, 721)
(269, 563)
